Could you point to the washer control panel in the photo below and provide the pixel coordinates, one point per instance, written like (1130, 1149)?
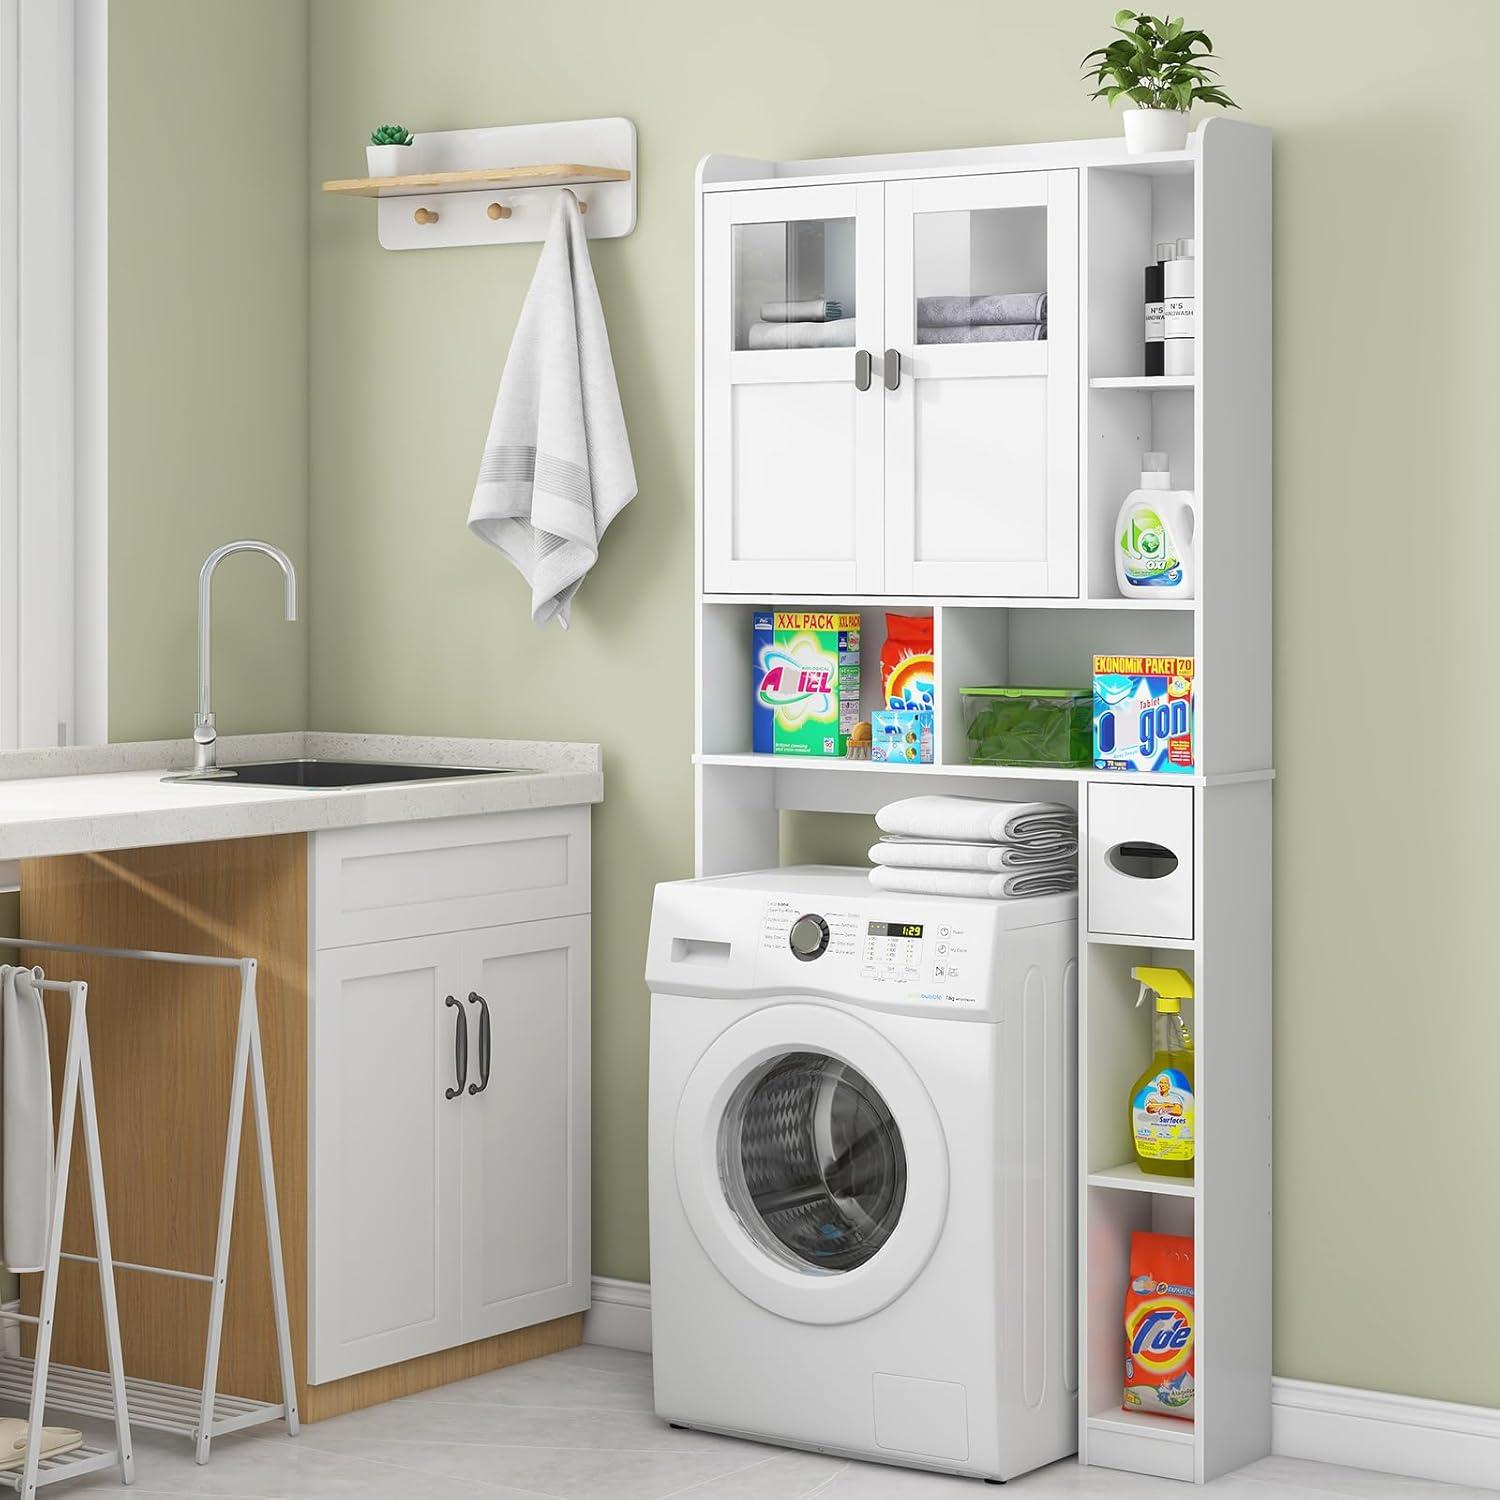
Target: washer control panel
(900, 958)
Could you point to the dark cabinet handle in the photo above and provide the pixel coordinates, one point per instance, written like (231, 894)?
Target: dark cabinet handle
(460, 1048)
(475, 998)
(863, 366)
(892, 369)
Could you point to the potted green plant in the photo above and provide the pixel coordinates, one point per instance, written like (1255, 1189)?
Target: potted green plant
(390, 152)
(1158, 64)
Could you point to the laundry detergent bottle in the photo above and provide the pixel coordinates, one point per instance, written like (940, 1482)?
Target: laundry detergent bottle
(1154, 535)
(1163, 1112)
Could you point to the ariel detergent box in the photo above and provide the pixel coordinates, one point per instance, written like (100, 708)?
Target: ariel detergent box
(1143, 713)
(806, 665)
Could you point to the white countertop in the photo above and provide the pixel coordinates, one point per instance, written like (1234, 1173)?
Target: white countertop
(83, 799)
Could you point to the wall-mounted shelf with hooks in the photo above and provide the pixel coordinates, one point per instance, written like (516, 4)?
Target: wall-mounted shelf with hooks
(496, 185)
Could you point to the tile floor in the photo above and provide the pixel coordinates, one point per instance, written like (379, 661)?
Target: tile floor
(580, 1424)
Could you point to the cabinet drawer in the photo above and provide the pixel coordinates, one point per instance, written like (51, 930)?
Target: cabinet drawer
(1140, 860)
(448, 874)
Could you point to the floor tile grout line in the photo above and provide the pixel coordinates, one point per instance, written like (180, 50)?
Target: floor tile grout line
(698, 1484)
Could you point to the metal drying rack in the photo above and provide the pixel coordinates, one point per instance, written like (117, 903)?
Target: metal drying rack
(199, 1415)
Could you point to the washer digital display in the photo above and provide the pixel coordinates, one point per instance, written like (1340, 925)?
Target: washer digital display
(895, 929)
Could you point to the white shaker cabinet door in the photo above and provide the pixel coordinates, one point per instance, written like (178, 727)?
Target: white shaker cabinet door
(385, 1154)
(793, 304)
(526, 1126)
(981, 422)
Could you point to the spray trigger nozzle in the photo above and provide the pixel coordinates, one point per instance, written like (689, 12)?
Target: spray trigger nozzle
(1170, 986)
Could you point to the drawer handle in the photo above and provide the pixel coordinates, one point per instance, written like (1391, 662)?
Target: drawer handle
(892, 369)
(460, 1048)
(1142, 860)
(475, 998)
(863, 365)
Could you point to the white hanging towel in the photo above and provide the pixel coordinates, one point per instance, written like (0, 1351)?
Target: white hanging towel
(557, 467)
(25, 1122)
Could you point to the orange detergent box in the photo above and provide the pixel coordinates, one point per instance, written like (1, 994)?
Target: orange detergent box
(1160, 1326)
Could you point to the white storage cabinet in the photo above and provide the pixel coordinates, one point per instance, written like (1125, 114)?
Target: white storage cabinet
(449, 1084)
(979, 483)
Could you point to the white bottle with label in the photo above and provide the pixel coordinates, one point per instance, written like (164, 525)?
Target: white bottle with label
(1154, 537)
(1179, 318)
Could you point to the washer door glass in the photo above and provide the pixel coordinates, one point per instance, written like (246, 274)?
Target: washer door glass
(811, 1162)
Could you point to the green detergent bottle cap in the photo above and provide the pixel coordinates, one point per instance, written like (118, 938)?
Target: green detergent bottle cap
(1170, 986)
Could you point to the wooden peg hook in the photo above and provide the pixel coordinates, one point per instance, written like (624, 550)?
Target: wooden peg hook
(498, 211)
(425, 216)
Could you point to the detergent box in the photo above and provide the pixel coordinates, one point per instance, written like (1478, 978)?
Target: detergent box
(1143, 713)
(806, 665)
(902, 736)
(1160, 1325)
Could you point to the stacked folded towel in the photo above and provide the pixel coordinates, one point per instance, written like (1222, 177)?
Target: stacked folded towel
(810, 323)
(976, 846)
(996, 318)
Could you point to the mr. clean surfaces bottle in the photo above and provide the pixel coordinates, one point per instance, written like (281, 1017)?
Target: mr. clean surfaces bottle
(1154, 536)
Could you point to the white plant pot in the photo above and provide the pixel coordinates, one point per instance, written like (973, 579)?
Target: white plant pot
(392, 161)
(1155, 130)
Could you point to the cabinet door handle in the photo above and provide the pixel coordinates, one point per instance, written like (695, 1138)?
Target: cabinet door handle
(892, 369)
(460, 1047)
(863, 366)
(475, 998)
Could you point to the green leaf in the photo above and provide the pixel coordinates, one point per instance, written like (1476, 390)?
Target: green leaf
(1122, 16)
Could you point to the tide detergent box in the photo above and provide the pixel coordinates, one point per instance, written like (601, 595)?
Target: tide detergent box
(1143, 713)
(1160, 1325)
(806, 667)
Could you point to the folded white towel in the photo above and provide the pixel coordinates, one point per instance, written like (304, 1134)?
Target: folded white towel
(979, 820)
(55, 1442)
(25, 1122)
(557, 467)
(836, 335)
(934, 854)
(1014, 886)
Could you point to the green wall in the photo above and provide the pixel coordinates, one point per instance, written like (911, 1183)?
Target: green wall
(207, 355)
(1386, 319)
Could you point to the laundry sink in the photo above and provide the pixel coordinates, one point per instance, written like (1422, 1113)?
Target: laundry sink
(326, 775)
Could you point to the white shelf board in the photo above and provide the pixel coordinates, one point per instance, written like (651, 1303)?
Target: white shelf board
(1130, 940)
(1143, 382)
(831, 764)
(942, 601)
(1129, 1178)
(1142, 1424)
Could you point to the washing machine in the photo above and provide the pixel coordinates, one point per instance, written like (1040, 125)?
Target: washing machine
(862, 1149)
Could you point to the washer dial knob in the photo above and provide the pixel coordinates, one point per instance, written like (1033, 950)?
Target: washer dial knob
(808, 937)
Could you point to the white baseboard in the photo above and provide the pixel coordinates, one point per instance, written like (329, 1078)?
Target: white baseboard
(1435, 1440)
(620, 1316)
(1331, 1424)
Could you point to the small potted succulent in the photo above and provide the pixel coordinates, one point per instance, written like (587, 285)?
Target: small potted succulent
(1158, 64)
(390, 152)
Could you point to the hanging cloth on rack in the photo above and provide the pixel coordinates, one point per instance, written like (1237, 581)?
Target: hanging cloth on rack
(25, 1121)
(557, 467)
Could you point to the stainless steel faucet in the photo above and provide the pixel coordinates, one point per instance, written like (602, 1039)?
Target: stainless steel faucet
(205, 737)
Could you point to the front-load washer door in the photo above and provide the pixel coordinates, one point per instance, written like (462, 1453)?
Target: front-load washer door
(811, 1163)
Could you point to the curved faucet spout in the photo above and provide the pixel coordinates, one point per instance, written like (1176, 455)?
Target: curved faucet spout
(204, 734)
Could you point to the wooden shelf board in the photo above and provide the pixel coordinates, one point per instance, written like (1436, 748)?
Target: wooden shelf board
(1142, 1424)
(554, 174)
(1143, 382)
(1129, 1178)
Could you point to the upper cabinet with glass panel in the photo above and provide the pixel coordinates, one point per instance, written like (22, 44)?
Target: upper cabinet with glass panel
(794, 284)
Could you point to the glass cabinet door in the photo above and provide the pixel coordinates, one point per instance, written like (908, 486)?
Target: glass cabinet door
(981, 418)
(793, 302)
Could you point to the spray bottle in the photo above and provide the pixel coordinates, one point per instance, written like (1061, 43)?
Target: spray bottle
(1162, 1105)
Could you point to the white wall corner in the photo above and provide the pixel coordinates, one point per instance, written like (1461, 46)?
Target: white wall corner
(620, 1315)
(1434, 1440)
